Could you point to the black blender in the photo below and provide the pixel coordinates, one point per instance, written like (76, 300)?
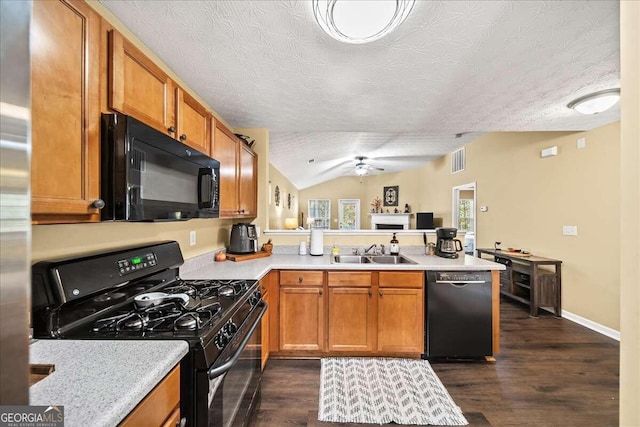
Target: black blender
(447, 246)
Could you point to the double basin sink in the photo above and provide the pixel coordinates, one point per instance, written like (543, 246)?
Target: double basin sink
(372, 259)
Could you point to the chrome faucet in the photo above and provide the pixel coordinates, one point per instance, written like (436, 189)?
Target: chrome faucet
(374, 247)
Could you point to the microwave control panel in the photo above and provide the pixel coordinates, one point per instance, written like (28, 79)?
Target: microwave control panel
(137, 263)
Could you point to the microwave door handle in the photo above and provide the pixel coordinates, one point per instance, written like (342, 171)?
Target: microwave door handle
(216, 371)
(205, 174)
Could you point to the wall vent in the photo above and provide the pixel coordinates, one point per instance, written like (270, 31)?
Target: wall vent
(457, 160)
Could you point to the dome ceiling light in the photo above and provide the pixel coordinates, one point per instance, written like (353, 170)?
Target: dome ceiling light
(360, 21)
(596, 102)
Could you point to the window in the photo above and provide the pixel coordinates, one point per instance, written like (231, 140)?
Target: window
(320, 211)
(349, 214)
(465, 215)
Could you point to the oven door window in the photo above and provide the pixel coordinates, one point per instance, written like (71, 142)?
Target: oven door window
(232, 396)
(161, 184)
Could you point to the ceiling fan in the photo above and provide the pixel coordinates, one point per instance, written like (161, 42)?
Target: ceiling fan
(363, 168)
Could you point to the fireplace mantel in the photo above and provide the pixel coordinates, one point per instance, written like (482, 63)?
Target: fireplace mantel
(392, 219)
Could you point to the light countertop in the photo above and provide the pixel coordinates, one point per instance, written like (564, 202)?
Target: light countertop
(99, 382)
(203, 267)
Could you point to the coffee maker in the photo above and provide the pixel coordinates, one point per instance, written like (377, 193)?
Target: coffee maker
(447, 246)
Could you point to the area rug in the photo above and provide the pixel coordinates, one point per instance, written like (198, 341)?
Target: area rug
(381, 391)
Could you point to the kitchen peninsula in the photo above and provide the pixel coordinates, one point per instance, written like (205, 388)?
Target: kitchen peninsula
(305, 294)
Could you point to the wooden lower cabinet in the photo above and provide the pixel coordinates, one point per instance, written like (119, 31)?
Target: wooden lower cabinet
(264, 326)
(366, 312)
(400, 320)
(302, 318)
(161, 407)
(351, 319)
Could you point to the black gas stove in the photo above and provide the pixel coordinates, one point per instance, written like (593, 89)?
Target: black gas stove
(136, 293)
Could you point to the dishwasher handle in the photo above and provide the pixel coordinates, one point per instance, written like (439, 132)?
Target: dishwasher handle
(462, 282)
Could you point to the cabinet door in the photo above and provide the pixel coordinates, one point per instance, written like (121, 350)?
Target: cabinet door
(301, 318)
(225, 149)
(265, 327)
(400, 320)
(194, 122)
(247, 182)
(351, 319)
(139, 87)
(160, 404)
(65, 123)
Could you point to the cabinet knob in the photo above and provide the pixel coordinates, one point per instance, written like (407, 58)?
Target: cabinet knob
(98, 204)
(320, 293)
(300, 279)
(381, 294)
(183, 137)
(370, 293)
(172, 129)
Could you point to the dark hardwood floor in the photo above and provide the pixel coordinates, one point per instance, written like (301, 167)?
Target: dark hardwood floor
(550, 372)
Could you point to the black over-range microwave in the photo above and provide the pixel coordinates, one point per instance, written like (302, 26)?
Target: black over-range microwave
(149, 176)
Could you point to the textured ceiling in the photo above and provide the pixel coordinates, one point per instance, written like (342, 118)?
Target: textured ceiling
(452, 67)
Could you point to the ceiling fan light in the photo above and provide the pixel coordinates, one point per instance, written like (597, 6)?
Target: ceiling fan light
(360, 21)
(596, 102)
(361, 170)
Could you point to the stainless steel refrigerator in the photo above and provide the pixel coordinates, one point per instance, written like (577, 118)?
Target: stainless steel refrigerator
(15, 202)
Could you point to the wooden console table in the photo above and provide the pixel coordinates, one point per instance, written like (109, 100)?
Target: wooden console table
(526, 282)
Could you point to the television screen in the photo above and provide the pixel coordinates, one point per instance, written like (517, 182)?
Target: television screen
(424, 221)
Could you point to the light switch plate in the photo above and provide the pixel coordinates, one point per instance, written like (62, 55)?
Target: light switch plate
(192, 237)
(569, 230)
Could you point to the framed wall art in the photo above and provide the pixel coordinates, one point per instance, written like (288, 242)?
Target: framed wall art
(390, 196)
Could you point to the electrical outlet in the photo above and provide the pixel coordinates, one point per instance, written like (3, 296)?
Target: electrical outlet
(581, 143)
(569, 230)
(192, 237)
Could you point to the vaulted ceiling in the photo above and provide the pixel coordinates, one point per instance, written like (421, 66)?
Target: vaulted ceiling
(453, 67)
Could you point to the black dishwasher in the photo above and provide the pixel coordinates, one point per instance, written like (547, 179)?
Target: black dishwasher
(458, 315)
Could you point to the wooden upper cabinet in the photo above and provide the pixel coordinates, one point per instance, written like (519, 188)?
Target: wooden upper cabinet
(238, 174)
(194, 122)
(138, 87)
(224, 150)
(248, 182)
(65, 125)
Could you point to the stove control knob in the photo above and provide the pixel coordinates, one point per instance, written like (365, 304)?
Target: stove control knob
(255, 298)
(220, 340)
(229, 329)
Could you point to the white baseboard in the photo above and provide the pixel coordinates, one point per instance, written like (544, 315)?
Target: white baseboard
(611, 333)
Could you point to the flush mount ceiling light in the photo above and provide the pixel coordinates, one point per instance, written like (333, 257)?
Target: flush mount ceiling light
(360, 21)
(596, 102)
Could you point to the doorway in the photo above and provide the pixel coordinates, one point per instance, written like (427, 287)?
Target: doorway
(464, 214)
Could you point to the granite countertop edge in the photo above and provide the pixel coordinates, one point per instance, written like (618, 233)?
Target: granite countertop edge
(203, 266)
(99, 382)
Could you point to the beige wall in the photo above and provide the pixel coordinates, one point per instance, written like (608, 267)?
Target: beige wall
(630, 218)
(529, 199)
(277, 214)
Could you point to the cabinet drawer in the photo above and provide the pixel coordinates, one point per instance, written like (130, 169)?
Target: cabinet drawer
(307, 278)
(349, 278)
(401, 279)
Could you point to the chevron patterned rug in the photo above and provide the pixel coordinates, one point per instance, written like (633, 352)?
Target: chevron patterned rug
(381, 391)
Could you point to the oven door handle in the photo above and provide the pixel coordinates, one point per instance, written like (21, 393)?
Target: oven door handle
(219, 370)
